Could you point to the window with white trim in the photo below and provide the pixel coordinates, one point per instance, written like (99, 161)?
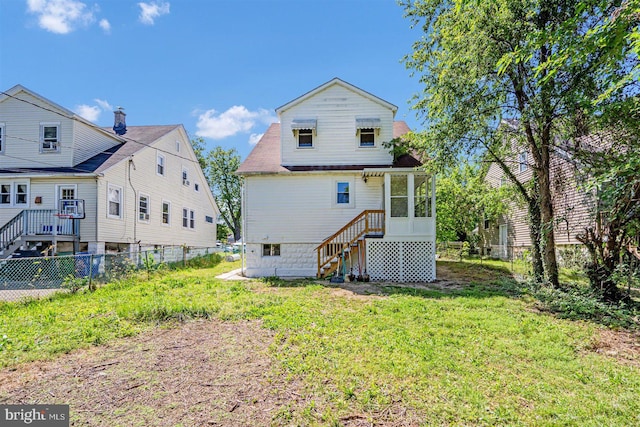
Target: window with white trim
(160, 164)
(166, 213)
(14, 194)
(114, 201)
(185, 176)
(522, 162)
(367, 137)
(5, 194)
(305, 138)
(49, 137)
(196, 187)
(2, 138)
(143, 208)
(188, 218)
(271, 249)
(399, 196)
(342, 193)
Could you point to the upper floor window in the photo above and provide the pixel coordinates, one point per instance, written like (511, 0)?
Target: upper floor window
(143, 207)
(5, 194)
(305, 138)
(304, 131)
(166, 213)
(160, 165)
(367, 137)
(185, 177)
(49, 137)
(114, 201)
(522, 162)
(196, 186)
(2, 138)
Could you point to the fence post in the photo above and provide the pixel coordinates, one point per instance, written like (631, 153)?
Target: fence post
(184, 256)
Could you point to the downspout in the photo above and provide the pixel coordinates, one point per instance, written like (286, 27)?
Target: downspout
(243, 211)
(135, 222)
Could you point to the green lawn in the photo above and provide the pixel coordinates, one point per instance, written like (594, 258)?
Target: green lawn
(473, 356)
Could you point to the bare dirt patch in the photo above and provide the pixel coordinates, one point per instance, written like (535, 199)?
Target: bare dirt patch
(622, 346)
(200, 373)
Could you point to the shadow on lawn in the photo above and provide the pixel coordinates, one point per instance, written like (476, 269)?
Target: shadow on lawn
(455, 279)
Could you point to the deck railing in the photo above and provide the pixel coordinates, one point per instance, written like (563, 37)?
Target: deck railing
(369, 222)
(35, 222)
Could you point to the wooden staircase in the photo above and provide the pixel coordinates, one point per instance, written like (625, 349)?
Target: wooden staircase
(369, 223)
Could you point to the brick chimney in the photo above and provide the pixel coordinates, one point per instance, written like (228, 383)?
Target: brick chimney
(119, 122)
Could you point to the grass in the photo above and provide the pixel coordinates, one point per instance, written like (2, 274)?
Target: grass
(473, 356)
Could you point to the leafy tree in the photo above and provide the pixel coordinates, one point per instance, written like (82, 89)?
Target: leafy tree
(482, 62)
(463, 200)
(219, 168)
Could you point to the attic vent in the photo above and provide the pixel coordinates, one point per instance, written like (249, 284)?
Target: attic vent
(119, 122)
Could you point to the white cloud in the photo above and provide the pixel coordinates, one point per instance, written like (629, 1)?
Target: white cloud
(60, 16)
(150, 11)
(236, 119)
(88, 112)
(105, 25)
(92, 112)
(254, 138)
(104, 104)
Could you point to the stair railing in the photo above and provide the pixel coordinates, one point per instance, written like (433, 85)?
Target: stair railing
(12, 230)
(366, 223)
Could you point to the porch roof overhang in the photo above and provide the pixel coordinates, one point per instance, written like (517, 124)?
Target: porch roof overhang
(368, 172)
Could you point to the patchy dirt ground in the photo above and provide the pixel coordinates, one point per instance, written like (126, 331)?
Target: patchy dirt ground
(208, 372)
(200, 373)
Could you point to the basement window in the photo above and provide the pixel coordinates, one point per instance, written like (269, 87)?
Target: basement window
(271, 249)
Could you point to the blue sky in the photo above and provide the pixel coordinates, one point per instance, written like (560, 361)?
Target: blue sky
(219, 67)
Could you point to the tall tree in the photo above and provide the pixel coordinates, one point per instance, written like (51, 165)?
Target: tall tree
(482, 62)
(219, 166)
(463, 200)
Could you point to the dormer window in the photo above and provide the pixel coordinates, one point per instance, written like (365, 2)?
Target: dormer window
(366, 131)
(367, 137)
(305, 138)
(304, 130)
(49, 137)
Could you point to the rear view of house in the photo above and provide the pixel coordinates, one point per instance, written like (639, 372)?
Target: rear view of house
(322, 192)
(67, 185)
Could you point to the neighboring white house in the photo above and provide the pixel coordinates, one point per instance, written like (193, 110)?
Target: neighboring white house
(142, 186)
(320, 187)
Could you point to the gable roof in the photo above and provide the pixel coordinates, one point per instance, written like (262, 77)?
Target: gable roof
(136, 139)
(339, 82)
(265, 156)
(14, 91)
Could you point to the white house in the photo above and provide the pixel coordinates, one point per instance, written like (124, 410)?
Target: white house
(141, 186)
(322, 193)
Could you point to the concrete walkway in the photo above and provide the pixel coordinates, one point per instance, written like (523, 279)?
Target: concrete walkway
(233, 275)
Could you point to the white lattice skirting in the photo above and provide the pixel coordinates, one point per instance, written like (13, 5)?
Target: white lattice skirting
(401, 261)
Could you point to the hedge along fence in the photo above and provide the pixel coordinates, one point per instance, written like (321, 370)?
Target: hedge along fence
(23, 277)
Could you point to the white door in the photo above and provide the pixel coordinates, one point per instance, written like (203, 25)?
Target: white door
(502, 240)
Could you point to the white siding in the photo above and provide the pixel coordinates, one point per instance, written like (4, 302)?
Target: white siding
(303, 210)
(22, 128)
(140, 177)
(335, 143)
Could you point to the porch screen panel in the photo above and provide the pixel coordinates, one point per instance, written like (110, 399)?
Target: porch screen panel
(420, 196)
(399, 196)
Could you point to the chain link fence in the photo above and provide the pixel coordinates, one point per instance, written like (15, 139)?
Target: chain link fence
(39, 276)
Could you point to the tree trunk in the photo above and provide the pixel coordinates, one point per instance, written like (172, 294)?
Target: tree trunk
(548, 241)
(535, 232)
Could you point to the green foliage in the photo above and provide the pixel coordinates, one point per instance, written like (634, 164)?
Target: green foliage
(73, 283)
(220, 167)
(464, 199)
